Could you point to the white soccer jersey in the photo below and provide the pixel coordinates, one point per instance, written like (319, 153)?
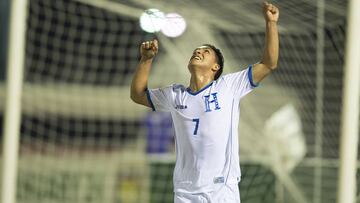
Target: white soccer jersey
(206, 130)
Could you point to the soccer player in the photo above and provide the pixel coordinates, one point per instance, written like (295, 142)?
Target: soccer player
(206, 115)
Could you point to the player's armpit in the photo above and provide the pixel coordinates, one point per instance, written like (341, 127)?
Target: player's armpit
(260, 71)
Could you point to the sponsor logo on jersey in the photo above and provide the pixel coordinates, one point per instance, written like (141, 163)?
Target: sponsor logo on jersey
(181, 107)
(219, 180)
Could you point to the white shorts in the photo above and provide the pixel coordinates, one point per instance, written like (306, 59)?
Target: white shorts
(226, 194)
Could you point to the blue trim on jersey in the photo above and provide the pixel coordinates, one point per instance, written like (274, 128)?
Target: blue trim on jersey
(202, 89)
(251, 78)
(149, 99)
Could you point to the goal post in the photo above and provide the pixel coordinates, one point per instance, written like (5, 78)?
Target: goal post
(14, 81)
(350, 109)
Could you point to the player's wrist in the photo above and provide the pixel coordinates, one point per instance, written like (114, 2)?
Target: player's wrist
(271, 21)
(145, 59)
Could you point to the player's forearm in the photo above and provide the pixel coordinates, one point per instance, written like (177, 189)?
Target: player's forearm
(140, 80)
(271, 50)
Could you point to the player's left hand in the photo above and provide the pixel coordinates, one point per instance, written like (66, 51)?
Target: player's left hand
(271, 12)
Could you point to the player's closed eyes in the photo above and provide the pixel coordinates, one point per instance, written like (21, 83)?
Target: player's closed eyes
(205, 50)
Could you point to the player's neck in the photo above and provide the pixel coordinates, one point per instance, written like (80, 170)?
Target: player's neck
(197, 82)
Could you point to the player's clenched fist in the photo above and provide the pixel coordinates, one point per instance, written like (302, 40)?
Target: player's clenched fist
(149, 49)
(271, 12)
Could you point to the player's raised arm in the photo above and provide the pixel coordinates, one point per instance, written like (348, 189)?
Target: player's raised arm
(148, 50)
(270, 56)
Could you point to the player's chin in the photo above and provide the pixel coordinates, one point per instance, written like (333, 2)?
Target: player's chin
(193, 63)
(191, 67)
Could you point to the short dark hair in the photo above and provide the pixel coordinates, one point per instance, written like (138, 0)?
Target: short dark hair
(219, 59)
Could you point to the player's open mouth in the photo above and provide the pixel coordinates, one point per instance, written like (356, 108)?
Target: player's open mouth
(196, 57)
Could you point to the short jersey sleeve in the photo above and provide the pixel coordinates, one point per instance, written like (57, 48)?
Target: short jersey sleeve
(160, 99)
(241, 83)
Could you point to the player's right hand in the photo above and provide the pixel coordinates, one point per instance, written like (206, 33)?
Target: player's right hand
(149, 49)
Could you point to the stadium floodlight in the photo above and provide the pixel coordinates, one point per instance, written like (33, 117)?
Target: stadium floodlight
(152, 20)
(174, 26)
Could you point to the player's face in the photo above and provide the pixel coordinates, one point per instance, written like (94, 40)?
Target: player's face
(203, 57)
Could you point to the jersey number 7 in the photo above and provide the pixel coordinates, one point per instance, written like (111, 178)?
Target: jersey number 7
(196, 120)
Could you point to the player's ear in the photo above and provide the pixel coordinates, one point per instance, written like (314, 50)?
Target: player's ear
(215, 67)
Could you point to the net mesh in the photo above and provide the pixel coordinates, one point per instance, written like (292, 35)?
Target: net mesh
(83, 140)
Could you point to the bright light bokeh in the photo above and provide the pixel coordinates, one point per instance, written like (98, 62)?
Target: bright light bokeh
(152, 20)
(174, 26)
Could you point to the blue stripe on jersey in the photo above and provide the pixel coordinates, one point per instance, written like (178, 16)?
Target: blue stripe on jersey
(149, 99)
(251, 78)
(202, 89)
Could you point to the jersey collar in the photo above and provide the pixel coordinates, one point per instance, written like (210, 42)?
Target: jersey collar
(202, 89)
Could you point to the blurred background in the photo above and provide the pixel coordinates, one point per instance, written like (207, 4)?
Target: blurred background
(83, 140)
